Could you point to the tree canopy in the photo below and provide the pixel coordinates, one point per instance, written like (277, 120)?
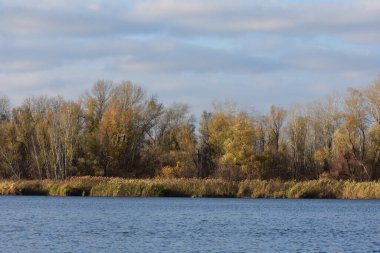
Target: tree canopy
(118, 129)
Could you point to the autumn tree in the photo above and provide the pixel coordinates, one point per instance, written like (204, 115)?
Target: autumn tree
(325, 118)
(355, 129)
(372, 94)
(271, 151)
(4, 108)
(124, 128)
(205, 162)
(239, 148)
(174, 142)
(228, 137)
(10, 156)
(297, 131)
(93, 160)
(118, 129)
(275, 121)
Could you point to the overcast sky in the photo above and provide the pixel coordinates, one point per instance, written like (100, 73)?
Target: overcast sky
(257, 52)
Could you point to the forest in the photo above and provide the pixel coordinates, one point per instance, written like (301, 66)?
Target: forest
(120, 130)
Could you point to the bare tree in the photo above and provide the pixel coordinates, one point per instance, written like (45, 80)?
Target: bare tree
(99, 97)
(4, 108)
(297, 131)
(276, 120)
(325, 118)
(372, 94)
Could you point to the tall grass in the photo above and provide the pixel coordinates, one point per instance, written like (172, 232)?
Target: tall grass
(118, 187)
(165, 188)
(363, 190)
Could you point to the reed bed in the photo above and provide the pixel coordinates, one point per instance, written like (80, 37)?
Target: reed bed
(119, 187)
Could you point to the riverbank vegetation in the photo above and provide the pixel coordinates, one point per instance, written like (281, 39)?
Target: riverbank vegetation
(121, 187)
(118, 130)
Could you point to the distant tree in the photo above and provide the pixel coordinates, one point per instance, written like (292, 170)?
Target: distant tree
(205, 163)
(356, 124)
(372, 94)
(374, 151)
(174, 141)
(275, 121)
(297, 135)
(97, 100)
(325, 118)
(239, 147)
(271, 155)
(70, 125)
(125, 127)
(4, 108)
(120, 130)
(95, 103)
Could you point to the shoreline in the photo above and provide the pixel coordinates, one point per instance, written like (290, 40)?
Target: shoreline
(202, 188)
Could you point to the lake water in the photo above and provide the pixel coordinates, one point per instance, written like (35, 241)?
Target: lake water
(57, 224)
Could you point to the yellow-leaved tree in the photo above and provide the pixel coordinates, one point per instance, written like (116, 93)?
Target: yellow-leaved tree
(239, 147)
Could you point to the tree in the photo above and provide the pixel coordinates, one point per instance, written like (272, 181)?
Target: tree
(4, 108)
(297, 135)
(239, 147)
(262, 134)
(372, 94)
(356, 125)
(11, 164)
(174, 142)
(125, 127)
(325, 118)
(95, 103)
(23, 133)
(271, 153)
(228, 140)
(275, 121)
(205, 163)
(70, 125)
(120, 130)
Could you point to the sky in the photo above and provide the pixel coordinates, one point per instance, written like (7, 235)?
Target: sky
(256, 52)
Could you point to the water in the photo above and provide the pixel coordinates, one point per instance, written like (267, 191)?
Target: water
(49, 224)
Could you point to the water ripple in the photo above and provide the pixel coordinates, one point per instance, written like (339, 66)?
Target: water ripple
(48, 224)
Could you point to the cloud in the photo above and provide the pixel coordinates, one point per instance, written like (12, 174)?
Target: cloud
(150, 55)
(226, 18)
(333, 60)
(191, 18)
(256, 51)
(163, 56)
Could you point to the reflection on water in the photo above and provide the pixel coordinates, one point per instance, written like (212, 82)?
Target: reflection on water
(48, 224)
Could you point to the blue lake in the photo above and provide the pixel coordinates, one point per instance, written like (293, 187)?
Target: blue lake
(57, 224)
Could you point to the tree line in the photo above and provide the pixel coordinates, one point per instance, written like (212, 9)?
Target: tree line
(119, 130)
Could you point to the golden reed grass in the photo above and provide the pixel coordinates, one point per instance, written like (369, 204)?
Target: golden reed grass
(119, 187)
